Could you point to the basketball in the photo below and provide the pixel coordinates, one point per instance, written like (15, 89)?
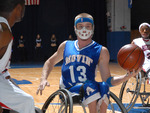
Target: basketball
(130, 57)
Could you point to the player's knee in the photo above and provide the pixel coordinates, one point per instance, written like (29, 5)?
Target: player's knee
(104, 91)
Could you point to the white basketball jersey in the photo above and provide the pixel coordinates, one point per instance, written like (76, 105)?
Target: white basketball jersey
(5, 60)
(144, 44)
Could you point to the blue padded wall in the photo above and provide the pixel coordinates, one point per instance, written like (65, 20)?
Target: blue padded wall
(115, 40)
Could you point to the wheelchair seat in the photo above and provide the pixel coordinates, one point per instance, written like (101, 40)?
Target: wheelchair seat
(77, 99)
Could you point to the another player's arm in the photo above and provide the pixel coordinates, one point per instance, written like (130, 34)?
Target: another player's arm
(48, 66)
(132, 42)
(5, 38)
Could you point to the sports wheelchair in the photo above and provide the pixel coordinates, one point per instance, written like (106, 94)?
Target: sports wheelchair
(61, 101)
(134, 87)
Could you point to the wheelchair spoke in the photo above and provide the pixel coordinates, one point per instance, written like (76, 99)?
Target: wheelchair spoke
(129, 91)
(58, 102)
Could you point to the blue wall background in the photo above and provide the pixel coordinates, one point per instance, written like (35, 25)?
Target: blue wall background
(115, 40)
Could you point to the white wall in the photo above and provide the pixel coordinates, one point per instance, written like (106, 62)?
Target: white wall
(119, 15)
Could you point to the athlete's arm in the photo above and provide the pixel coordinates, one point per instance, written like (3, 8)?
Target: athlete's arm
(5, 38)
(48, 66)
(103, 66)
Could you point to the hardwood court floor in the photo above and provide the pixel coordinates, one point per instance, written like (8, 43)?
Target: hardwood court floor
(33, 75)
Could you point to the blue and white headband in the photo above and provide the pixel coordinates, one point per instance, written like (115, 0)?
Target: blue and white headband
(83, 19)
(144, 24)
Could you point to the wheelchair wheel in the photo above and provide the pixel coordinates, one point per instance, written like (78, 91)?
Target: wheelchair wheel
(129, 91)
(58, 102)
(115, 105)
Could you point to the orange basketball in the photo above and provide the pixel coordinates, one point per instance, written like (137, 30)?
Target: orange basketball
(130, 57)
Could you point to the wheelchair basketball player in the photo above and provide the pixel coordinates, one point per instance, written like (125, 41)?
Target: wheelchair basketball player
(81, 58)
(144, 43)
(11, 96)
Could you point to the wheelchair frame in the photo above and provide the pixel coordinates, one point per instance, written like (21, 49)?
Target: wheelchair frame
(69, 103)
(66, 103)
(125, 89)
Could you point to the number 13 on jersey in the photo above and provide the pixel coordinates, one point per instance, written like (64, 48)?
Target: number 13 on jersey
(82, 71)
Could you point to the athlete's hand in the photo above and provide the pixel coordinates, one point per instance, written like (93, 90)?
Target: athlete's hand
(42, 85)
(134, 73)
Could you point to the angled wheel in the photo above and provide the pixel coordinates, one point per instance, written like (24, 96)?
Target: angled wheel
(58, 102)
(129, 91)
(115, 105)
